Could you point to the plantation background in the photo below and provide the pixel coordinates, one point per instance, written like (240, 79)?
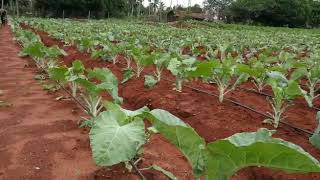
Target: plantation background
(291, 13)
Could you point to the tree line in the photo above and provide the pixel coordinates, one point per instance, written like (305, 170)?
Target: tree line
(69, 8)
(84, 8)
(291, 13)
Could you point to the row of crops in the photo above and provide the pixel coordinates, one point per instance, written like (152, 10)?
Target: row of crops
(262, 58)
(285, 60)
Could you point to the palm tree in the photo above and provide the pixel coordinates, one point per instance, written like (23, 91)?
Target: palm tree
(149, 7)
(139, 7)
(161, 8)
(17, 7)
(155, 6)
(131, 4)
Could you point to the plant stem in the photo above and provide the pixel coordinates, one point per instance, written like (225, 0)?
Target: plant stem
(179, 82)
(128, 62)
(115, 59)
(158, 73)
(139, 70)
(137, 170)
(74, 88)
(221, 93)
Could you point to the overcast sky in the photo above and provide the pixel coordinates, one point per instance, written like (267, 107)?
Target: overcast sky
(174, 2)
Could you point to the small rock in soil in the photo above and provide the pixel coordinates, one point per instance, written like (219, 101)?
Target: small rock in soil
(5, 104)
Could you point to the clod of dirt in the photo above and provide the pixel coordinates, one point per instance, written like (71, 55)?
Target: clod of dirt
(5, 104)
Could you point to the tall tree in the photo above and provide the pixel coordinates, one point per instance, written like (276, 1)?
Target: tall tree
(80, 8)
(17, 8)
(155, 6)
(149, 7)
(216, 8)
(292, 13)
(139, 7)
(161, 8)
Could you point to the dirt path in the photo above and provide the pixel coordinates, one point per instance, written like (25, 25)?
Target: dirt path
(39, 137)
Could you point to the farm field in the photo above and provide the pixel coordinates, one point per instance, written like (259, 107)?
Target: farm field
(201, 82)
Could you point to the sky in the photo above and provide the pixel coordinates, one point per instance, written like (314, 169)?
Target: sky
(174, 2)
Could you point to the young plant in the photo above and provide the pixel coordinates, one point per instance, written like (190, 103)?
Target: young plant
(109, 52)
(141, 58)
(37, 52)
(181, 68)
(283, 90)
(52, 53)
(286, 60)
(25, 37)
(222, 51)
(259, 74)
(312, 76)
(259, 69)
(92, 95)
(227, 75)
(127, 54)
(87, 44)
(44, 56)
(69, 75)
(161, 61)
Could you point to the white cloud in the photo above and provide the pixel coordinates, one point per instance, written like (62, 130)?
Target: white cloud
(175, 2)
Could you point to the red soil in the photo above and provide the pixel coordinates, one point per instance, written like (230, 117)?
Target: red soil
(211, 119)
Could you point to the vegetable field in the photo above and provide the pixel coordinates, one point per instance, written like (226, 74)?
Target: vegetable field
(165, 101)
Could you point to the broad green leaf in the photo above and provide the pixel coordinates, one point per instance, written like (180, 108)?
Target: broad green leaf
(109, 82)
(293, 90)
(58, 74)
(174, 65)
(123, 114)
(227, 156)
(315, 73)
(162, 59)
(34, 49)
(78, 67)
(205, 69)
(299, 73)
(105, 75)
(182, 136)
(88, 85)
(315, 138)
(54, 52)
(113, 143)
(242, 68)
